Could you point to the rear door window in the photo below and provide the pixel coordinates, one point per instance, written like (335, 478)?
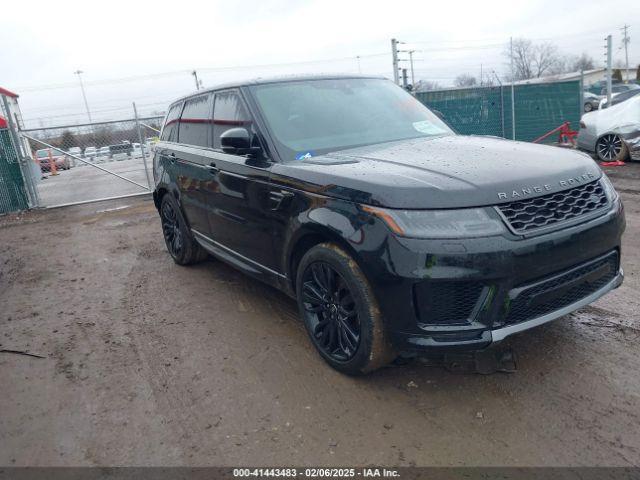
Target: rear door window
(170, 129)
(195, 121)
(229, 112)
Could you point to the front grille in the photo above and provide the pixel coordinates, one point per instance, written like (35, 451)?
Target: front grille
(561, 290)
(525, 216)
(447, 302)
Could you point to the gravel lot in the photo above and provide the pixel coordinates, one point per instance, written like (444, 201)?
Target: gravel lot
(84, 182)
(149, 363)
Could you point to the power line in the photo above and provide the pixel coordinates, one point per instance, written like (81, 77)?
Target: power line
(153, 76)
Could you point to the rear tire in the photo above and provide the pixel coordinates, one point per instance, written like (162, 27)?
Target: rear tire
(340, 312)
(179, 240)
(611, 148)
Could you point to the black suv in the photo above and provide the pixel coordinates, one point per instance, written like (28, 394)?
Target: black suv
(394, 234)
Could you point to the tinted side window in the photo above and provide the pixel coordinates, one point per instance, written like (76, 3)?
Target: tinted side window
(194, 122)
(229, 112)
(170, 129)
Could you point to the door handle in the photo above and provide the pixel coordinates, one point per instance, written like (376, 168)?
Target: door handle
(213, 169)
(279, 198)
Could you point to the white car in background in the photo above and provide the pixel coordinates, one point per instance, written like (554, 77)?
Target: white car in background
(90, 153)
(103, 154)
(612, 133)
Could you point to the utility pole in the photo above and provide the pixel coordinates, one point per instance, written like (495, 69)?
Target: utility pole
(481, 75)
(195, 76)
(625, 42)
(413, 77)
(84, 95)
(609, 73)
(358, 59)
(394, 59)
(405, 81)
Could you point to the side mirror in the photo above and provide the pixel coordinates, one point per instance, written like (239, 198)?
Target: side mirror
(237, 141)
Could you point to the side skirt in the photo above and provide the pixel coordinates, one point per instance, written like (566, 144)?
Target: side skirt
(242, 263)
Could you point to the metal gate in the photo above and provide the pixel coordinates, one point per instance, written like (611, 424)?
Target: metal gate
(94, 161)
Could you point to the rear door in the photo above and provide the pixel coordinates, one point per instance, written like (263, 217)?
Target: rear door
(240, 219)
(164, 155)
(189, 155)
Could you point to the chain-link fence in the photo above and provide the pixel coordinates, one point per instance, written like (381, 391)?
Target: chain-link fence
(80, 163)
(536, 108)
(13, 193)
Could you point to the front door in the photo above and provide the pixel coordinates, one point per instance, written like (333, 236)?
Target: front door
(239, 218)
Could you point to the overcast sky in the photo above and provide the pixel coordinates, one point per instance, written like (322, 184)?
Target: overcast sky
(144, 51)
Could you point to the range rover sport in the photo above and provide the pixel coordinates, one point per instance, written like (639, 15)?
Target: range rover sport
(394, 234)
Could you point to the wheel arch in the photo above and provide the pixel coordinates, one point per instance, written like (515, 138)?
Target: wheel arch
(308, 237)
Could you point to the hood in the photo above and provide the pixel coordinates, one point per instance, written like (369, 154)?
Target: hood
(443, 172)
(621, 118)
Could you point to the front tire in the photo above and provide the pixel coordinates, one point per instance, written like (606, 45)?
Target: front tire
(340, 312)
(179, 240)
(611, 148)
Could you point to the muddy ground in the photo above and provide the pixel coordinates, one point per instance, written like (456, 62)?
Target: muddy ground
(149, 363)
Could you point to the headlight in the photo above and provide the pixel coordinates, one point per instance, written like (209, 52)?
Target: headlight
(465, 223)
(609, 191)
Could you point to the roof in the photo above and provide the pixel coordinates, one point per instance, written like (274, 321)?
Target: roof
(570, 76)
(8, 93)
(276, 79)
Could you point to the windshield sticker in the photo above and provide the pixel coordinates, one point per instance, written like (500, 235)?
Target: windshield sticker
(428, 128)
(304, 155)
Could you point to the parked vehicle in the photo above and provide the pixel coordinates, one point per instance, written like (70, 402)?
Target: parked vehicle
(591, 101)
(612, 133)
(120, 150)
(619, 98)
(90, 153)
(618, 88)
(394, 234)
(103, 154)
(46, 155)
(76, 151)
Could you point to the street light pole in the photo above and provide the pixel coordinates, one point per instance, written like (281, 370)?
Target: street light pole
(84, 95)
(195, 76)
(413, 77)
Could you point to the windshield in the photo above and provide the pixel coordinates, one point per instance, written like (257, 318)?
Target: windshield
(312, 117)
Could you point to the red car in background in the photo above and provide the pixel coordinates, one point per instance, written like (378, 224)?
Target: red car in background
(62, 162)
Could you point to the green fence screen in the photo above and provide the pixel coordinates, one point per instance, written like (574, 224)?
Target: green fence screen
(539, 108)
(13, 196)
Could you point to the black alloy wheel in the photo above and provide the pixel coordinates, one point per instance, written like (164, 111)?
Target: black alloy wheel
(180, 242)
(330, 312)
(171, 230)
(340, 311)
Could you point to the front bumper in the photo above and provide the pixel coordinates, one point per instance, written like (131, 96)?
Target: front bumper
(509, 283)
(502, 333)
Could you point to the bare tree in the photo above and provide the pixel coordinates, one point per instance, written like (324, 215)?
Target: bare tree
(465, 80)
(583, 62)
(426, 85)
(532, 60)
